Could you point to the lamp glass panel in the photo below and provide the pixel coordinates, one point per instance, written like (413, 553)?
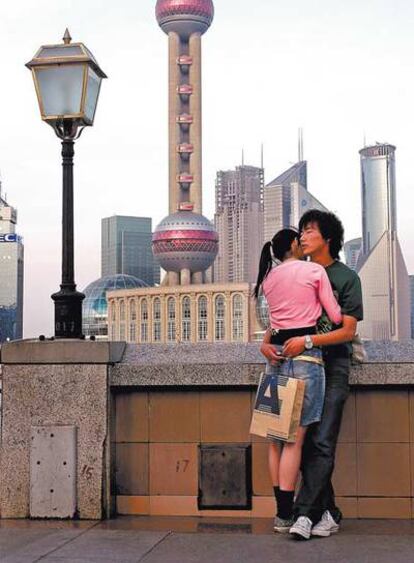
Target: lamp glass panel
(61, 89)
(94, 84)
(71, 51)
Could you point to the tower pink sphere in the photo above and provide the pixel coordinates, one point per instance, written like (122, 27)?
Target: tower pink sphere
(184, 16)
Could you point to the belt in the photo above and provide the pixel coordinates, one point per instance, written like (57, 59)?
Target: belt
(308, 359)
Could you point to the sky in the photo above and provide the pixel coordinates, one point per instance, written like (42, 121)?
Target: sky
(343, 71)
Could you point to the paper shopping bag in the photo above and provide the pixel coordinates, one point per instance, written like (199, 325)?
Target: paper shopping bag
(278, 407)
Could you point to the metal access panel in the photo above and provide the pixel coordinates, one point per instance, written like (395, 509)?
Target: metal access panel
(225, 477)
(53, 472)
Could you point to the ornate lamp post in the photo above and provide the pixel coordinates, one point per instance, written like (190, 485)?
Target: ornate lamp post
(67, 79)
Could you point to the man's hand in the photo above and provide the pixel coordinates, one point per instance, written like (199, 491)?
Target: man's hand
(294, 346)
(270, 353)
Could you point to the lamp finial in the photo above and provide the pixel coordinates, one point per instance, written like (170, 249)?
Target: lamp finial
(67, 38)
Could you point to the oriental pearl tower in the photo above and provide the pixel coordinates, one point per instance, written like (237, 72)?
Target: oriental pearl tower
(185, 243)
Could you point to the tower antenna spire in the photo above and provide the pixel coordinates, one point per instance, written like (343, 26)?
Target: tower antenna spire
(300, 144)
(243, 156)
(66, 37)
(186, 261)
(261, 157)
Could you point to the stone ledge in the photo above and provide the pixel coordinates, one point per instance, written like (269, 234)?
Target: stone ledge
(238, 374)
(156, 365)
(65, 351)
(214, 353)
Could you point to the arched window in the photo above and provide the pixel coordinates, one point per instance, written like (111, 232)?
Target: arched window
(132, 320)
(202, 318)
(113, 332)
(122, 320)
(122, 331)
(144, 320)
(186, 319)
(237, 317)
(122, 311)
(156, 315)
(171, 319)
(219, 314)
(113, 311)
(132, 310)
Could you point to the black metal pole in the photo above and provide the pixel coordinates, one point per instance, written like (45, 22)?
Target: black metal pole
(68, 301)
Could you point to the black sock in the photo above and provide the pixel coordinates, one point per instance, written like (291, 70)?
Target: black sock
(284, 504)
(276, 491)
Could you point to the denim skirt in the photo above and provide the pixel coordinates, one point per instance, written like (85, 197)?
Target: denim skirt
(312, 373)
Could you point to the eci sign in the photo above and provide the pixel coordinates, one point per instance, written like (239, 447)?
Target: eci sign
(10, 237)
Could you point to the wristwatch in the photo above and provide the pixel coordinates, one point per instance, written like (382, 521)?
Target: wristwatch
(308, 342)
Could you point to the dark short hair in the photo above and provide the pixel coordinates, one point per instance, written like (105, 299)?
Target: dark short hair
(330, 227)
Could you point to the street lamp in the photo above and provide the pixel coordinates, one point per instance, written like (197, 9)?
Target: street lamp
(67, 79)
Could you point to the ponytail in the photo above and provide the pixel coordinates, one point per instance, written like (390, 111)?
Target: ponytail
(265, 265)
(280, 244)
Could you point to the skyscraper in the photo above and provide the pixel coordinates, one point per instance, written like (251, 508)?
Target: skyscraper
(378, 190)
(126, 248)
(383, 273)
(352, 249)
(11, 274)
(185, 242)
(286, 199)
(239, 223)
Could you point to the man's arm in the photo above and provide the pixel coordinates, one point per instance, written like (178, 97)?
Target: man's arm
(295, 346)
(268, 350)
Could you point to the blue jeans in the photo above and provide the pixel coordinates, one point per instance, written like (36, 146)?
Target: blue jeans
(314, 376)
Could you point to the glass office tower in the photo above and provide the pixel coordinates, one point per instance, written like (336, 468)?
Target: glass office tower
(239, 223)
(11, 274)
(352, 250)
(378, 193)
(381, 267)
(127, 248)
(286, 199)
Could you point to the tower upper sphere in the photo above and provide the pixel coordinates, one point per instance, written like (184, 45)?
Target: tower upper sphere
(184, 16)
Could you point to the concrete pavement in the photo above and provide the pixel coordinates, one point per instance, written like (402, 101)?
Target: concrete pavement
(200, 540)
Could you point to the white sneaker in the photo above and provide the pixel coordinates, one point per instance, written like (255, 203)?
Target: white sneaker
(301, 529)
(326, 526)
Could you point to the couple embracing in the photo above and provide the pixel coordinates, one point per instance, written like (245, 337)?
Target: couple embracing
(309, 289)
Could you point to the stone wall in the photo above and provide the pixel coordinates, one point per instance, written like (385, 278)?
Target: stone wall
(47, 385)
(170, 401)
(159, 433)
(158, 406)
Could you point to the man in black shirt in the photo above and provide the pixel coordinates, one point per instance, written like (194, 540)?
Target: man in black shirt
(315, 510)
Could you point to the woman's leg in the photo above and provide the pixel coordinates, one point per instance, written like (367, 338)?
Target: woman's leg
(290, 461)
(274, 461)
(289, 465)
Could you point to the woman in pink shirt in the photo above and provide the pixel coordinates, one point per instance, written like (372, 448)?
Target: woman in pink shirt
(296, 292)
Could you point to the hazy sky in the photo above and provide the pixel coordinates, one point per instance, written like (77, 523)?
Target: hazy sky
(339, 69)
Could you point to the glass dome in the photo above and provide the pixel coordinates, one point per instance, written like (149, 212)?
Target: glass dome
(95, 306)
(262, 312)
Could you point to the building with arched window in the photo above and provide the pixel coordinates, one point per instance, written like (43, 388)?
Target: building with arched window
(186, 318)
(220, 318)
(192, 313)
(95, 311)
(171, 325)
(156, 317)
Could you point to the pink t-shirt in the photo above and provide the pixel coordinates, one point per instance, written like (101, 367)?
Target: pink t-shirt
(296, 291)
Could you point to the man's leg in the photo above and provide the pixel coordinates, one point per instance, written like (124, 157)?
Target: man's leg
(316, 492)
(327, 502)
